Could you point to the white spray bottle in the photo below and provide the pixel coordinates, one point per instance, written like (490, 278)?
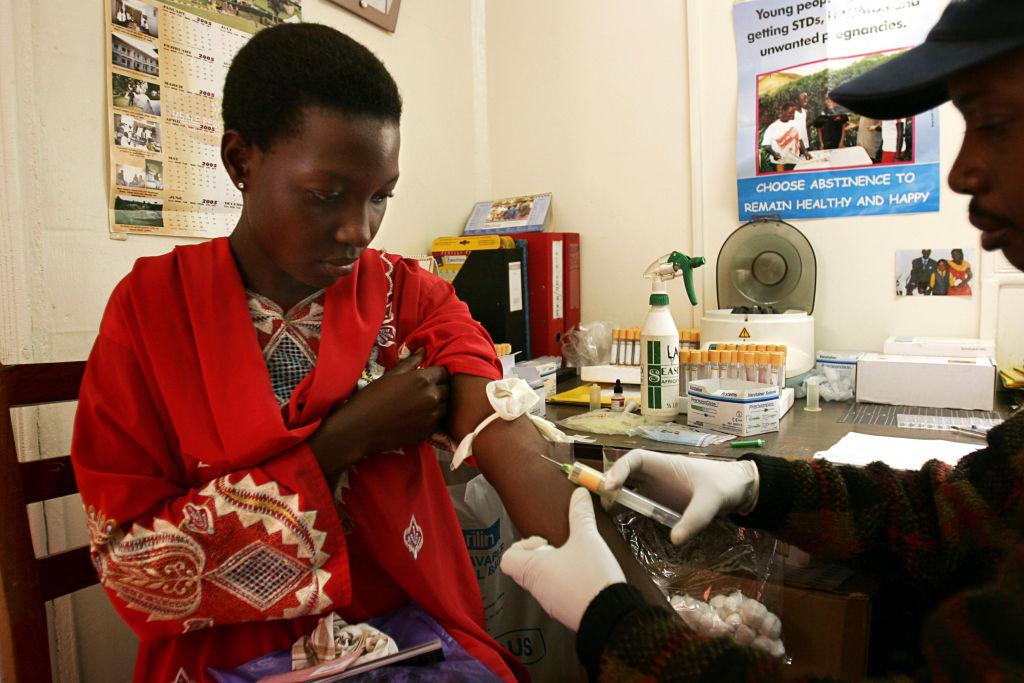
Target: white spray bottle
(659, 338)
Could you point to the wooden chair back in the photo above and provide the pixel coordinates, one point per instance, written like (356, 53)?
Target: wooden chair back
(28, 583)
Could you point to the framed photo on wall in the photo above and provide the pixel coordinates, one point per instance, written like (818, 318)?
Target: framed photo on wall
(383, 13)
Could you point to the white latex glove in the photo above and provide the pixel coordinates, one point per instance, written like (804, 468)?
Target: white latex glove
(565, 580)
(697, 488)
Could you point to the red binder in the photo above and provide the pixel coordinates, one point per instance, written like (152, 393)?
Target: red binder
(553, 282)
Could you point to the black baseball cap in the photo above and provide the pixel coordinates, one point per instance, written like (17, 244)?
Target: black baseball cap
(969, 33)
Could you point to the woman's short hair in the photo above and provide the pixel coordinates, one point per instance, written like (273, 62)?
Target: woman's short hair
(284, 69)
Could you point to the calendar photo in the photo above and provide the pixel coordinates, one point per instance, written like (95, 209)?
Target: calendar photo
(248, 15)
(137, 133)
(136, 54)
(149, 176)
(130, 176)
(144, 211)
(134, 15)
(136, 94)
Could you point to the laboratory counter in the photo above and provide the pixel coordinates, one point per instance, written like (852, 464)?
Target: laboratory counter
(829, 625)
(801, 433)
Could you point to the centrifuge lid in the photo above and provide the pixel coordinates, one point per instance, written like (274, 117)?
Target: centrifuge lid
(767, 263)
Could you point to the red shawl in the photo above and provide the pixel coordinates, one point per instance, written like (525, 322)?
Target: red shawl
(213, 529)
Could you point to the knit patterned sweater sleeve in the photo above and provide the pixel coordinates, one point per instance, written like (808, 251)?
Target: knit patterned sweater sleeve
(954, 535)
(943, 527)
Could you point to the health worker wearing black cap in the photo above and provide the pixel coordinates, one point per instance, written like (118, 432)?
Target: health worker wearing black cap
(948, 541)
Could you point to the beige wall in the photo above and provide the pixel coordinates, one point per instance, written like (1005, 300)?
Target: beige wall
(588, 99)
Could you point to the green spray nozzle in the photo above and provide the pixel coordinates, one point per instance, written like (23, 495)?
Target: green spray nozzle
(686, 264)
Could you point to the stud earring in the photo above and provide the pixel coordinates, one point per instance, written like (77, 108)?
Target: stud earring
(240, 185)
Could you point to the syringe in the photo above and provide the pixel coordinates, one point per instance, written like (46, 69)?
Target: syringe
(593, 481)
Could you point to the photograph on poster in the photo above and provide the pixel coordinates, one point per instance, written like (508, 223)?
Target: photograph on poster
(154, 174)
(136, 133)
(136, 94)
(135, 15)
(935, 272)
(246, 15)
(130, 210)
(150, 177)
(135, 54)
(130, 176)
(800, 128)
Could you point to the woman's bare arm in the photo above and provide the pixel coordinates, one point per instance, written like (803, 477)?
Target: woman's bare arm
(534, 492)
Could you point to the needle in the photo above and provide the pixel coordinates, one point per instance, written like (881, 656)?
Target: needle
(559, 465)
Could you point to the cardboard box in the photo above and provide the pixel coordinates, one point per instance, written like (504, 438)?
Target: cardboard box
(547, 369)
(949, 347)
(508, 361)
(734, 406)
(826, 632)
(607, 374)
(927, 381)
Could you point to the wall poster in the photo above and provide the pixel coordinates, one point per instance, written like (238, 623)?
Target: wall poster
(165, 71)
(798, 153)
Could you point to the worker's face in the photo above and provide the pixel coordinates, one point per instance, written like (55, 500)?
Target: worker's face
(315, 200)
(926, 253)
(990, 166)
(787, 113)
(803, 99)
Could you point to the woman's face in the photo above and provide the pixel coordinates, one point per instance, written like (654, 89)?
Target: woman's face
(315, 200)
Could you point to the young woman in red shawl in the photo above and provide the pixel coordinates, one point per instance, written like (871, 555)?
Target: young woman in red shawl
(236, 384)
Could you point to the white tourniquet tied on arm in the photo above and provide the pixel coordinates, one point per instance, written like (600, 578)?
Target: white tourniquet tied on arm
(512, 398)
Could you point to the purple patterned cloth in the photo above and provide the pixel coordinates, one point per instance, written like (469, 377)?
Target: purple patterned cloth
(408, 626)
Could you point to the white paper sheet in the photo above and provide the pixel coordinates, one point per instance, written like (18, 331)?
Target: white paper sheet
(904, 454)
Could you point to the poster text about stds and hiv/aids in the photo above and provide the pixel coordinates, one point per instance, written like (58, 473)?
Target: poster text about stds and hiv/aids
(798, 153)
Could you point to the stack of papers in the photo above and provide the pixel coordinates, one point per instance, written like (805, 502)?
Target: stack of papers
(898, 453)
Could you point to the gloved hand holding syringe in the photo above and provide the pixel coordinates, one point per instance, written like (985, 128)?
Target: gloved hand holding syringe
(593, 480)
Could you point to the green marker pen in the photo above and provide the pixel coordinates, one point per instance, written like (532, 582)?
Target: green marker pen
(749, 443)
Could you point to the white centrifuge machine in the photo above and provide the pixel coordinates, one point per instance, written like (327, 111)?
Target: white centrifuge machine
(766, 283)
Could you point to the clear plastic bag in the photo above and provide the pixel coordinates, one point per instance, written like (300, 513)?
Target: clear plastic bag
(588, 344)
(832, 385)
(603, 421)
(724, 582)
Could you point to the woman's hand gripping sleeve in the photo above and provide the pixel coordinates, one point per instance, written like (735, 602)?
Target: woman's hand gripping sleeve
(444, 328)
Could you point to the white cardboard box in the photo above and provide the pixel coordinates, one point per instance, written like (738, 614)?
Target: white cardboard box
(546, 367)
(948, 347)
(927, 381)
(786, 399)
(607, 374)
(734, 406)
